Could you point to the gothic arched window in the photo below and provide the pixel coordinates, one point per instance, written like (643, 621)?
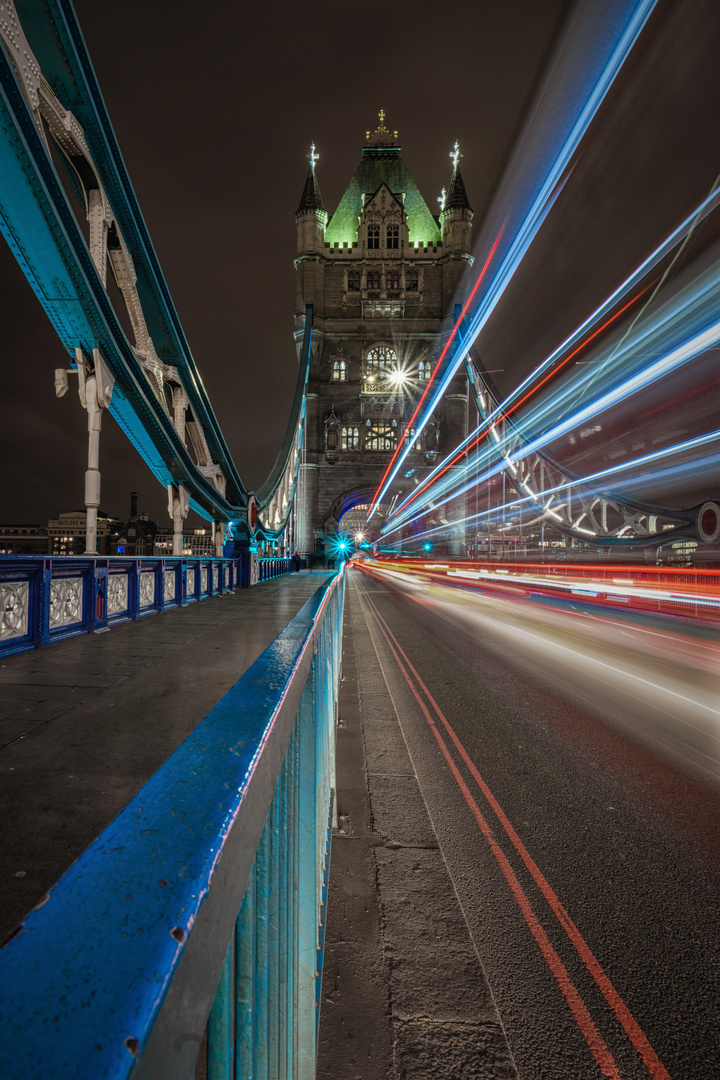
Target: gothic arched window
(424, 370)
(373, 279)
(354, 281)
(381, 360)
(411, 281)
(393, 236)
(393, 280)
(379, 436)
(350, 438)
(373, 235)
(339, 372)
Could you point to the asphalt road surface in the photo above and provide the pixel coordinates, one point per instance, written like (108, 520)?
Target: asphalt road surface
(569, 761)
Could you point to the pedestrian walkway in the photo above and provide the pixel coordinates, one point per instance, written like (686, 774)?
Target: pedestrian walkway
(404, 994)
(85, 723)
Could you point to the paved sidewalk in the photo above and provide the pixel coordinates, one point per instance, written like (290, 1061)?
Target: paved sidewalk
(86, 722)
(404, 994)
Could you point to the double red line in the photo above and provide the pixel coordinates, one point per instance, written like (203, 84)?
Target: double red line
(594, 1039)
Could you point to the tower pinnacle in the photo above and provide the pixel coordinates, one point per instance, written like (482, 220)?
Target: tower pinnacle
(311, 198)
(381, 136)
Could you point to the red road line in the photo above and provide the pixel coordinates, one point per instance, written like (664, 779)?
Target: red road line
(623, 1014)
(580, 1012)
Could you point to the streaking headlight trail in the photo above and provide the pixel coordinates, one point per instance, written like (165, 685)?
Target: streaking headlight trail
(597, 44)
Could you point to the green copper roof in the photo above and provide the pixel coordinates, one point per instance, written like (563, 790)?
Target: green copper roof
(378, 165)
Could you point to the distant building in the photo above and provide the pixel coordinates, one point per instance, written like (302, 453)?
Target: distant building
(137, 536)
(23, 540)
(197, 543)
(67, 533)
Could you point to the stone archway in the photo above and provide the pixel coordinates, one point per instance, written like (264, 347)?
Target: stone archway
(349, 505)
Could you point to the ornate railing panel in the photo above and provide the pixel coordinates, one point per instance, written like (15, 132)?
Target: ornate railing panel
(14, 597)
(208, 886)
(44, 599)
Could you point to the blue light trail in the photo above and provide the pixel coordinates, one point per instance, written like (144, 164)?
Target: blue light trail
(513, 399)
(680, 329)
(586, 481)
(575, 105)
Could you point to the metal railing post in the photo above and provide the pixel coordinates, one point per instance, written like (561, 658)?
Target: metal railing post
(222, 1021)
(307, 881)
(245, 965)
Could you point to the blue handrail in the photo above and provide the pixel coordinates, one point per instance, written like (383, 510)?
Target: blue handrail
(47, 598)
(217, 867)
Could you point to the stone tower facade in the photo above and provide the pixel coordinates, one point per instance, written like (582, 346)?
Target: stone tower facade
(383, 276)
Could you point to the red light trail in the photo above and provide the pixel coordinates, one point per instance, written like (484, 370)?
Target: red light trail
(581, 1014)
(516, 405)
(435, 370)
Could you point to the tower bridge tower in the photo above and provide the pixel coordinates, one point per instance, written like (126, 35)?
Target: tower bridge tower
(383, 275)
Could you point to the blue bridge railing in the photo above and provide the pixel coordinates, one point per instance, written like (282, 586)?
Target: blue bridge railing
(203, 899)
(45, 598)
(270, 568)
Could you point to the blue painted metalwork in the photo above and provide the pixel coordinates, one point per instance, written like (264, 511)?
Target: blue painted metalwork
(114, 973)
(289, 457)
(271, 568)
(43, 232)
(98, 592)
(46, 236)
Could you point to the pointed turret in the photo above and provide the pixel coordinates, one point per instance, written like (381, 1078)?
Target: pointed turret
(457, 196)
(311, 216)
(311, 198)
(456, 225)
(455, 214)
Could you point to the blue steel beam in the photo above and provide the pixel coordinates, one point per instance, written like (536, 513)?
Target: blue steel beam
(55, 36)
(44, 235)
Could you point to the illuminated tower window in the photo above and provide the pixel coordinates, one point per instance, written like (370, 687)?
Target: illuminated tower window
(380, 436)
(350, 438)
(339, 372)
(424, 369)
(393, 236)
(381, 360)
(373, 236)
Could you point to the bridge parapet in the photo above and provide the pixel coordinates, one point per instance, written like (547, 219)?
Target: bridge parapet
(43, 600)
(213, 878)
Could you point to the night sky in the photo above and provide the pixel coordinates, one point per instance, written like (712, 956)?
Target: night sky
(215, 107)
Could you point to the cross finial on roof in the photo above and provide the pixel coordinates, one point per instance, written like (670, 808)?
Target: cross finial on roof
(441, 198)
(381, 136)
(313, 156)
(455, 154)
